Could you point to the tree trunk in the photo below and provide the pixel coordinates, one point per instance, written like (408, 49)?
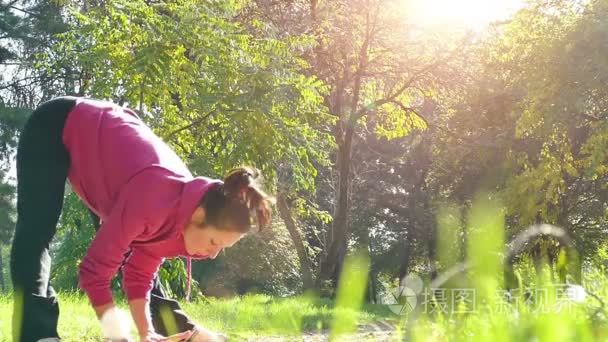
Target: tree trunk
(373, 274)
(404, 266)
(305, 266)
(331, 266)
(432, 249)
(313, 11)
(573, 257)
(332, 263)
(2, 283)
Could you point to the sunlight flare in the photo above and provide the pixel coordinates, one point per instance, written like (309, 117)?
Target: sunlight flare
(470, 14)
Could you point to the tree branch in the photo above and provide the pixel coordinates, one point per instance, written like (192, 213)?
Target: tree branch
(190, 125)
(411, 109)
(18, 82)
(23, 11)
(405, 85)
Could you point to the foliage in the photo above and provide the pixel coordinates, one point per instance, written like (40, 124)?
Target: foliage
(7, 211)
(11, 121)
(261, 263)
(219, 95)
(74, 234)
(367, 124)
(528, 122)
(28, 28)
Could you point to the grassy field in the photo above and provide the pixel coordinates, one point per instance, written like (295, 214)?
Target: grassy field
(560, 315)
(246, 317)
(468, 305)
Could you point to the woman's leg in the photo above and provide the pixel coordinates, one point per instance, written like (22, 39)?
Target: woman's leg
(159, 302)
(163, 309)
(42, 168)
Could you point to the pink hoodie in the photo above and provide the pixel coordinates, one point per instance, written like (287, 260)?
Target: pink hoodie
(141, 190)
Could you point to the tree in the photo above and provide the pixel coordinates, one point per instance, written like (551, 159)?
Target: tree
(218, 93)
(306, 268)
(74, 234)
(7, 222)
(221, 96)
(11, 121)
(29, 28)
(364, 55)
(528, 125)
(377, 80)
(260, 263)
(565, 119)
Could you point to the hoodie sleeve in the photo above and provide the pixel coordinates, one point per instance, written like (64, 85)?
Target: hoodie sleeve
(107, 251)
(138, 273)
(129, 219)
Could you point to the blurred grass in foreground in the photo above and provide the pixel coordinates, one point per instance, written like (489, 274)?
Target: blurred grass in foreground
(535, 310)
(240, 317)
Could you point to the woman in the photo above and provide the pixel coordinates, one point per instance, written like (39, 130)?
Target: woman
(149, 205)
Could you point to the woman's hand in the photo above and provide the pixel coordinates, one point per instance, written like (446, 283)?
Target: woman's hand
(140, 311)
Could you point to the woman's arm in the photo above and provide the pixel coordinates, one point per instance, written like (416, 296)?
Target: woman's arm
(140, 310)
(138, 277)
(107, 250)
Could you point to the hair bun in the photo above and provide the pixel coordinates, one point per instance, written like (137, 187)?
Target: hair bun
(241, 201)
(238, 181)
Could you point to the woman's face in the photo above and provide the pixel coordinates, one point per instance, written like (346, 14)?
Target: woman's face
(207, 240)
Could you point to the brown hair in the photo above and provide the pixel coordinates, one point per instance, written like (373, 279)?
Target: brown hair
(232, 206)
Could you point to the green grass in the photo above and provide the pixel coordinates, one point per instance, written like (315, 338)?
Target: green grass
(240, 317)
(539, 311)
(77, 319)
(264, 315)
(515, 322)
(488, 318)
(259, 316)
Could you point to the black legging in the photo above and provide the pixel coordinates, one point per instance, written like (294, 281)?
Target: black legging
(42, 169)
